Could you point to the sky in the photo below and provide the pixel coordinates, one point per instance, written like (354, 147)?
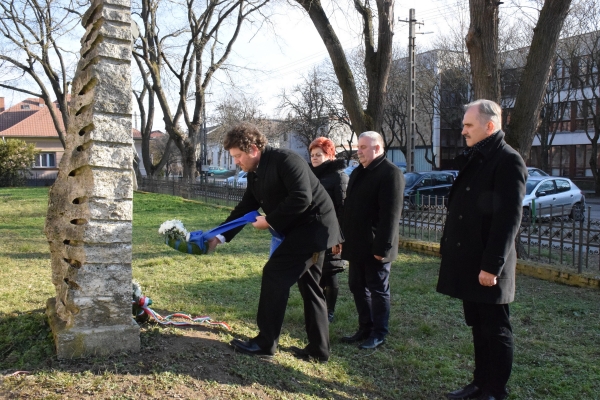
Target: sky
(277, 61)
(271, 59)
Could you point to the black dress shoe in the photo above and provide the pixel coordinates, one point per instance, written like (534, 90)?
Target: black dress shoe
(250, 347)
(371, 343)
(468, 392)
(359, 336)
(303, 354)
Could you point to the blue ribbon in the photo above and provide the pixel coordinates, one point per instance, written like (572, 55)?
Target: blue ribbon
(200, 238)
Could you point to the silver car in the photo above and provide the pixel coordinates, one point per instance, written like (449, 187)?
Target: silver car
(550, 196)
(240, 180)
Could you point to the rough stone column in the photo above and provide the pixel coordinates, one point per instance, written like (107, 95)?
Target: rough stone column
(90, 205)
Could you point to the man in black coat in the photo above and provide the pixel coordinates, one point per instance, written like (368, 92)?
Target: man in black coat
(370, 223)
(297, 207)
(478, 245)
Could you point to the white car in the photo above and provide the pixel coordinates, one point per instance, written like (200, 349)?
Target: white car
(548, 196)
(239, 180)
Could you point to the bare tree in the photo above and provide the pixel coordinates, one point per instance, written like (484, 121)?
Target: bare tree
(580, 62)
(556, 108)
(34, 38)
(187, 57)
(528, 102)
(482, 42)
(230, 112)
(377, 60)
(153, 161)
(307, 107)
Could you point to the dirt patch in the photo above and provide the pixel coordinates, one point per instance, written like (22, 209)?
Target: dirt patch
(175, 362)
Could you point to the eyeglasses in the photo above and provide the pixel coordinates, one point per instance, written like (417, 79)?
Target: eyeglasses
(317, 155)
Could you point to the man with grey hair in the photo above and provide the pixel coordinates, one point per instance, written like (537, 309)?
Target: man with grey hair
(370, 223)
(478, 246)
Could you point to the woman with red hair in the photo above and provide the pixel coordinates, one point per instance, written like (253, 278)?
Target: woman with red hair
(330, 172)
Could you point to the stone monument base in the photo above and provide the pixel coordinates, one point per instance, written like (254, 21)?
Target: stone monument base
(84, 342)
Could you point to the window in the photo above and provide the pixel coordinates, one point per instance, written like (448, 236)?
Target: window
(45, 160)
(562, 185)
(546, 187)
(25, 107)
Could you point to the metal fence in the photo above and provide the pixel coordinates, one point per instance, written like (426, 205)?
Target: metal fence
(215, 192)
(36, 179)
(553, 238)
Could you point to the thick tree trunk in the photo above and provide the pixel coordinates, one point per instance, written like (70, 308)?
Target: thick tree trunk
(377, 63)
(482, 44)
(525, 116)
(342, 70)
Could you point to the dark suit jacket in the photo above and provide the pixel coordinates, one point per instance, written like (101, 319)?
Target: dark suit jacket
(294, 202)
(372, 211)
(484, 215)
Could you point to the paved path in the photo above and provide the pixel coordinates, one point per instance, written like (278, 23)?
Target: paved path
(594, 203)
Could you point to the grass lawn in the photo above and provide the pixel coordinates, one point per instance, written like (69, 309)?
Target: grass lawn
(429, 351)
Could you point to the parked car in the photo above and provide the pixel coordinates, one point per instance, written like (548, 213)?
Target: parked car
(536, 172)
(427, 188)
(348, 170)
(212, 171)
(454, 172)
(401, 165)
(550, 196)
(240, 180)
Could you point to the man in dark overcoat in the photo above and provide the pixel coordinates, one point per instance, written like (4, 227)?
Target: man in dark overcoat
(297, 207)
(370, 223)
(478, 246)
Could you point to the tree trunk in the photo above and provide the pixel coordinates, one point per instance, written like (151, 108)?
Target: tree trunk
(377, 63)
(482, 44)
(525, 116)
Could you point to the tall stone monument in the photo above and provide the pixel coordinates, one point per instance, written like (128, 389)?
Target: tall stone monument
(88, 224)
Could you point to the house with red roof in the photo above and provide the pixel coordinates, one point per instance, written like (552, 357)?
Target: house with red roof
(30, 121)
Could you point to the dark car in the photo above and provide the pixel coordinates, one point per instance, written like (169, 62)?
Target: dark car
(536, 172)
(427, 188)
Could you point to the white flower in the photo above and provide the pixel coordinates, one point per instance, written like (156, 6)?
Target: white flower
(173, 229)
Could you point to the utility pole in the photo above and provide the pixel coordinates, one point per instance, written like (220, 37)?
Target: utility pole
(410, 139)
(204, 134)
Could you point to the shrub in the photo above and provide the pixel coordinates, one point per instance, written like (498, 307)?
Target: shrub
(16, 157)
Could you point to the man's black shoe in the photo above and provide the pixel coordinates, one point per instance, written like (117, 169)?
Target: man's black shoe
(371, 343)
(303, 354)
(468, 392)
(250, 348)
(359, 336)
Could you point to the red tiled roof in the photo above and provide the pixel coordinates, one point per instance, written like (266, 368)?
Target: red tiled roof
(156, 134)
(33, 121)
(38, 124)
(19, 112)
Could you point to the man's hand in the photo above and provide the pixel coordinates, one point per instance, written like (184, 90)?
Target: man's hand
(378, 258)
(261, 223)
(212, 244)
(337, 249)
(487, 279)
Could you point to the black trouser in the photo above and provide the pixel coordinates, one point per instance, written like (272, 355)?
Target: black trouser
(493, 344)
(330, 285)
(280, 273)
(369, 283)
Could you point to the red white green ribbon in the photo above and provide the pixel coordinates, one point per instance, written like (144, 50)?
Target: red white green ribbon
(144, 302)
